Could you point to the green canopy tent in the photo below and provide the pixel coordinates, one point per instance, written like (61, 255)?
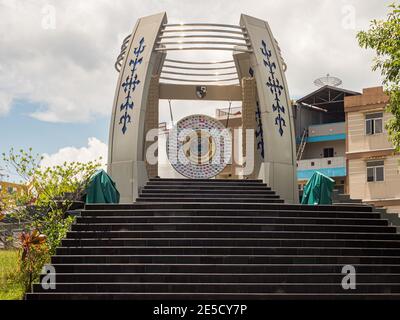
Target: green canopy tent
(101, 189)
(318, 189)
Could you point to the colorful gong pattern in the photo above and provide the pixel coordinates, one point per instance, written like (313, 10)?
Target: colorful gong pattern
(199, 147)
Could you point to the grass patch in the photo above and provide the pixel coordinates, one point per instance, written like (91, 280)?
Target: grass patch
(10, 289)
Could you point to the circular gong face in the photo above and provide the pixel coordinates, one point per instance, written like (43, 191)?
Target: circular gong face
(199, 147)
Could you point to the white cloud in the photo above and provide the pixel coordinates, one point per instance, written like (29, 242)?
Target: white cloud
(94, 150)
(5, 103)
(69, 70)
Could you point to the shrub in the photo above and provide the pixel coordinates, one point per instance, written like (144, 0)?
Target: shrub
(42, 209)
(33, 255)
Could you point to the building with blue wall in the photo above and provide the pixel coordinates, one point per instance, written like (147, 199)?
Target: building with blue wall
(321, 135)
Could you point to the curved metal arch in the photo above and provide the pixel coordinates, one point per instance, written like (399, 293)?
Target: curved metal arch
(125, 41)
(204, 42)
(205, 48)
(203, 30)
(121, 56)
(199, 62)
(200, 68)
(200, 74)
(203, 24)
(118, 63)
(204, 36)
(201, 81)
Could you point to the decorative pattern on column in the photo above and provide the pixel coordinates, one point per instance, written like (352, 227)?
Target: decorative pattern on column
(248, 109)
(130, 84)
(274, 86)
(151, 121)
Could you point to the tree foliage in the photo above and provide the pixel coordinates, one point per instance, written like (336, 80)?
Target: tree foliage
(384, 37)
(50, 192)
(42, 207)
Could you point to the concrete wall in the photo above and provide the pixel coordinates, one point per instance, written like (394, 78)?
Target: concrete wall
(316, 149)
(356, 108)
(361, 189)
(327, 129)
(362, 148)
(358, 140)
(393, 209)
(336, 162)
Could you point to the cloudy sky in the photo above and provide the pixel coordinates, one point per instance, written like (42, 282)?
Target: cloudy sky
(57, 78)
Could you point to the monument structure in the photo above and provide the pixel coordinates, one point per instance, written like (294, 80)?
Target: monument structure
(176, 239)
(255, 76)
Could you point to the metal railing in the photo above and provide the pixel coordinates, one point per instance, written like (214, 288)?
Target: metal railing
(192, 36)
(199, 37)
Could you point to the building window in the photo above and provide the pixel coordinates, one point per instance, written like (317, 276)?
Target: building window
(374, 123)
(312, 163)
(328, 153)
(375, 171)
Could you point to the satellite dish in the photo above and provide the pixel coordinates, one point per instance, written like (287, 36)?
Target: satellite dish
(328, 80)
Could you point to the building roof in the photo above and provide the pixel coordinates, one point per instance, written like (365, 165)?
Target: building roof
(326, 95)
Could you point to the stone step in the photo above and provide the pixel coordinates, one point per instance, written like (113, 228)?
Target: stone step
(344, 197)
(228, 219)
(221, 268)
(201, 195)
(258, 187)
(231, 234)
(242, 199)
(208, 191)
(237, 242)
(230, 227)
(335, 202)
(221, 287)
(193, 250)
(222, 277)
(230, 212)
(225, 206)
(205, 183)
(224, 239)
(225, 259)
(212, 296)
(209, 181)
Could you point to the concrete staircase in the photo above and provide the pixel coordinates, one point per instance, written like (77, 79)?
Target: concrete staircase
(392, 218)
(224, 239)
(340, 198)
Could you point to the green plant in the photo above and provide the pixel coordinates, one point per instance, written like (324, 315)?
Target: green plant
(33, 255)
(55, 226)
(51, 191)
(43, 207)
(383, 36)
